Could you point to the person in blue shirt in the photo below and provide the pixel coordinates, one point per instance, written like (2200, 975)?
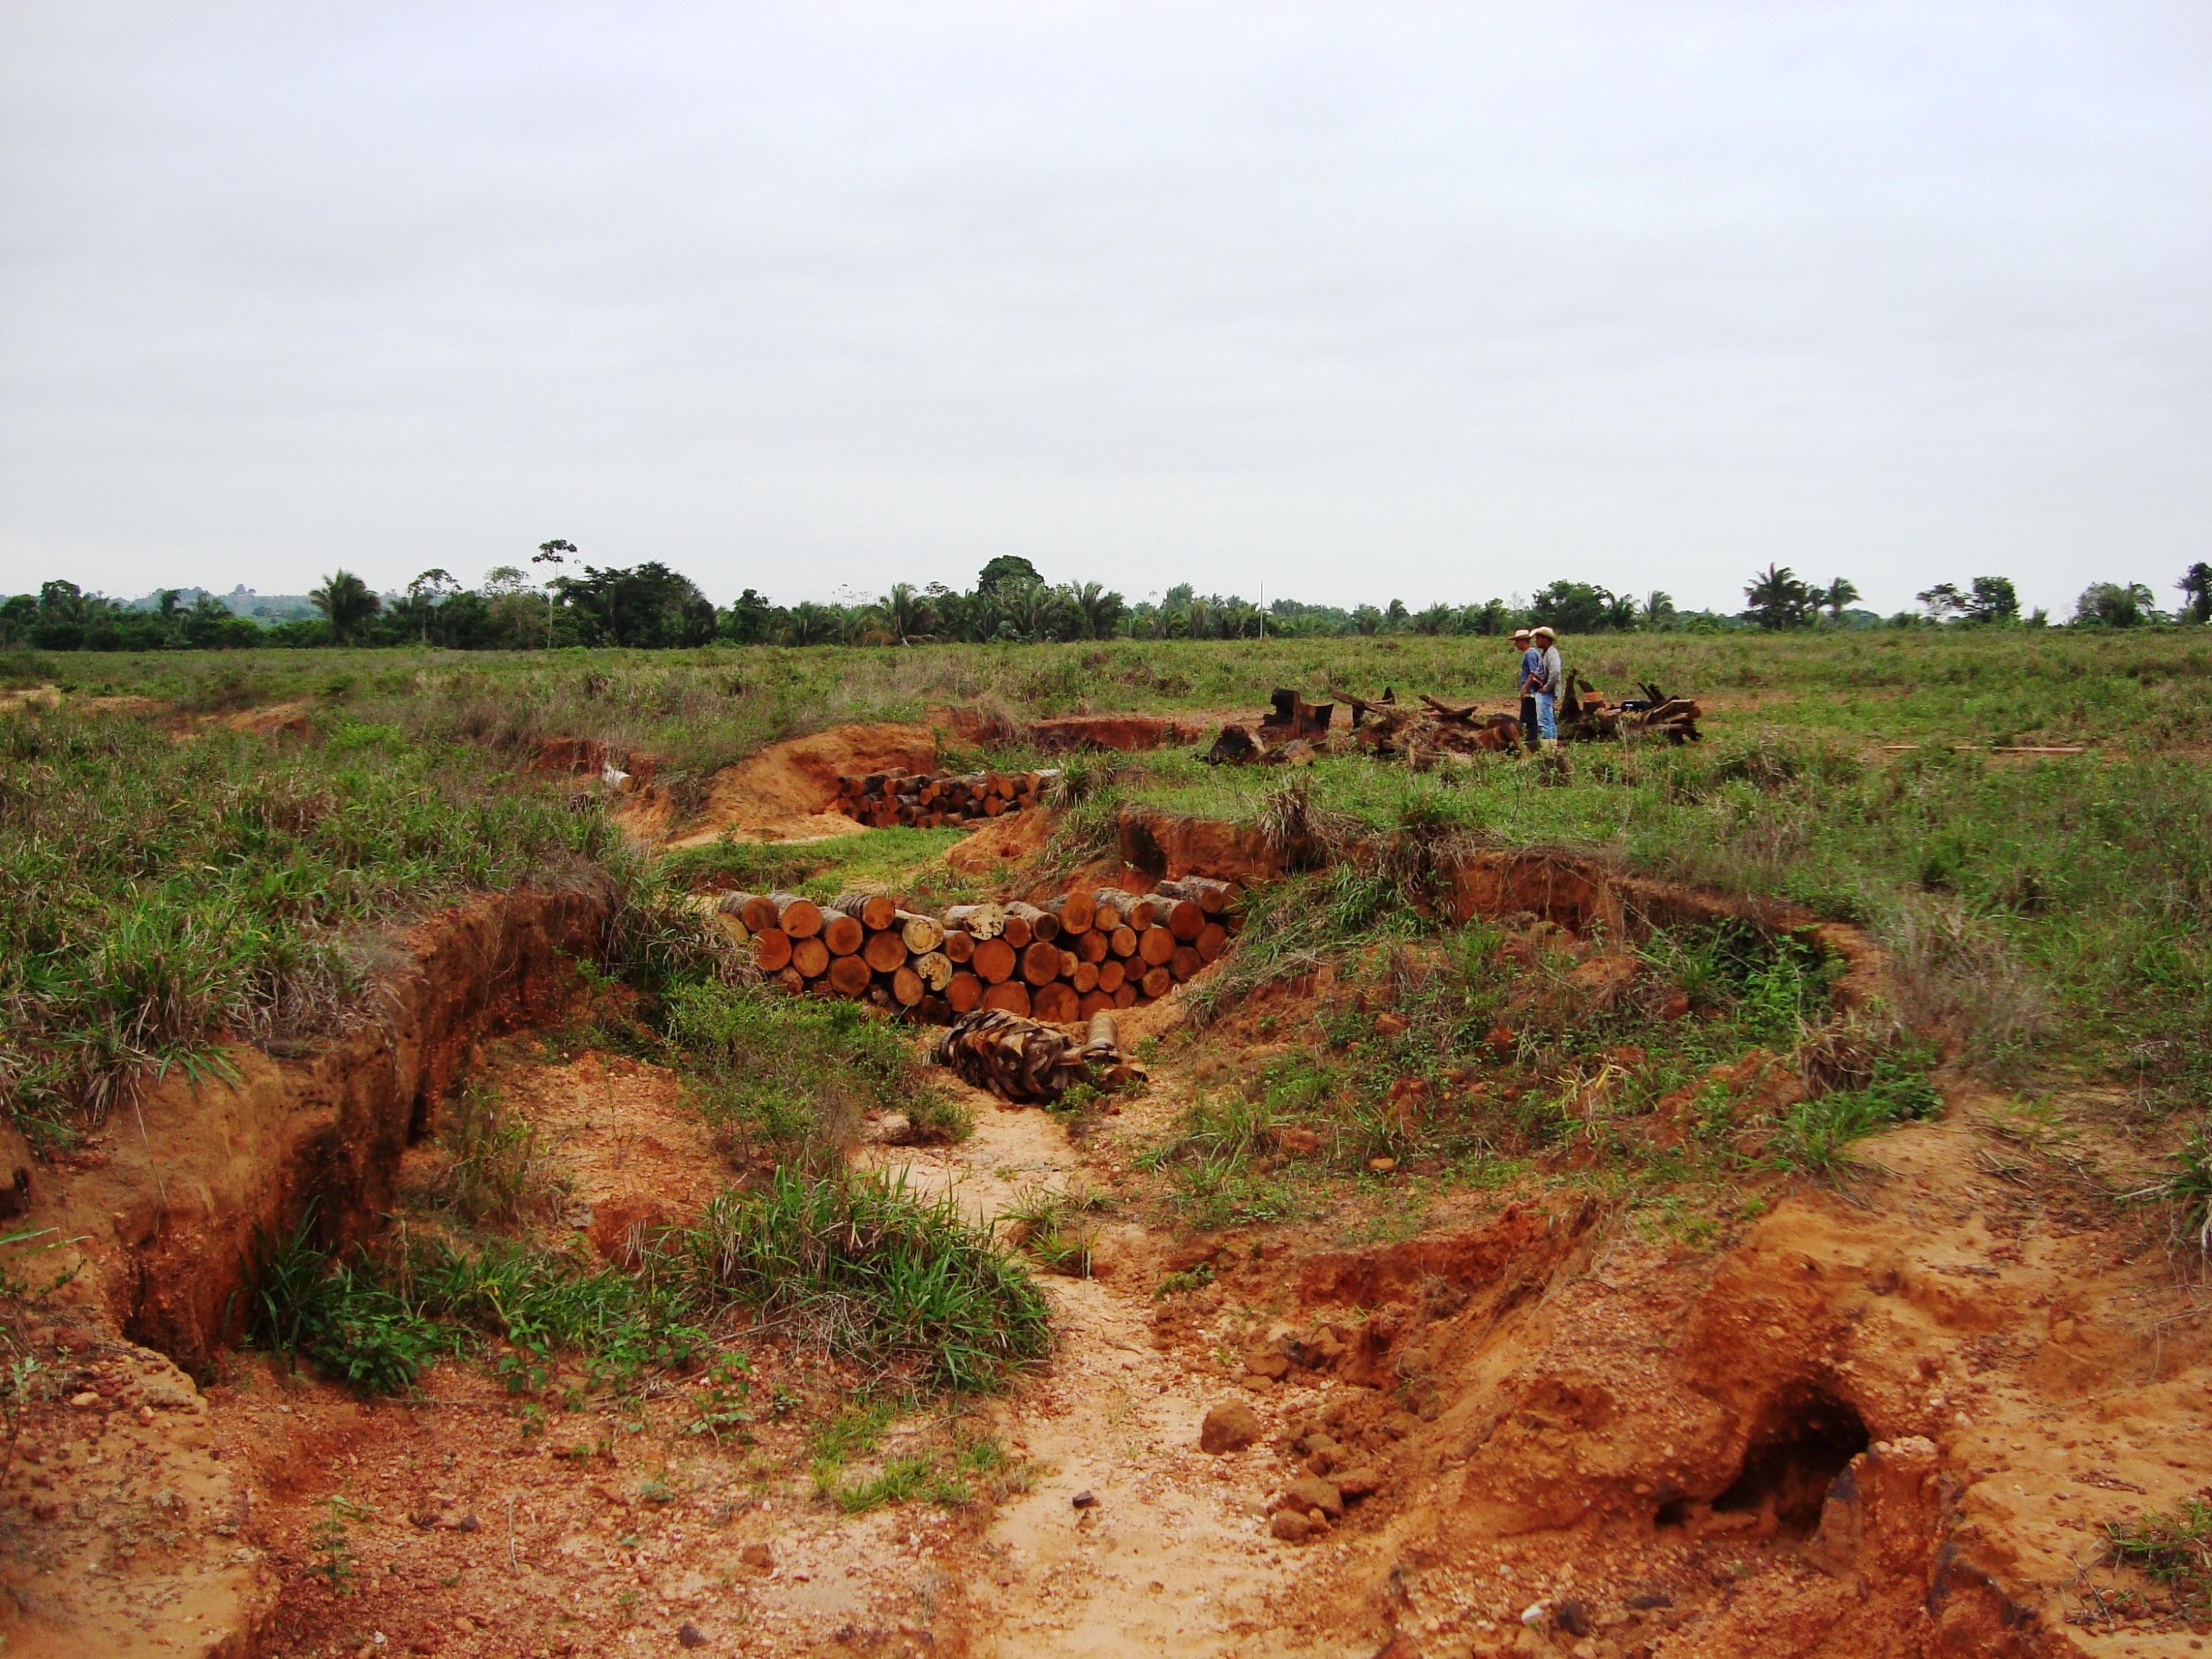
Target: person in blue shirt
(1532, 662)
(1547, 684)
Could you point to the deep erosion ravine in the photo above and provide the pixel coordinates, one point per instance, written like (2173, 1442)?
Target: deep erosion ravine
(1887, 1418)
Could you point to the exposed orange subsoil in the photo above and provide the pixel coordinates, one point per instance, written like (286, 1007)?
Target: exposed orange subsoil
(784, 792)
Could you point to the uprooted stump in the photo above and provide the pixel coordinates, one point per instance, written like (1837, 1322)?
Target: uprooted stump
(1025, 1061)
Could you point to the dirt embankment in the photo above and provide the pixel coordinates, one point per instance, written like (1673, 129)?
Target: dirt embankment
(128, 1536)
(1060, 734)
(167, 1208)
(1887, 1426)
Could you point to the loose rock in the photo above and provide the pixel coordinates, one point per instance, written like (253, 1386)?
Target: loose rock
(1291, 1527)
(1360, 1482)
(1228, 1427)
(1310, 1491)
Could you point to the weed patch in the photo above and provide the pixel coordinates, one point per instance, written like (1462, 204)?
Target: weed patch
(2173, 1550)
(790, 1078)
(902, 1285)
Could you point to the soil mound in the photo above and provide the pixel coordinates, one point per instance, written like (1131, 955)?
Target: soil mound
(785, 792)
(1000, 842)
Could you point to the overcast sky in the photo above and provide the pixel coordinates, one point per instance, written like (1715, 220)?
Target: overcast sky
(1358, 302)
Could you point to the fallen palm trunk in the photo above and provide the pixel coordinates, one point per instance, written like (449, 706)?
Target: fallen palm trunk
(1024, 1060)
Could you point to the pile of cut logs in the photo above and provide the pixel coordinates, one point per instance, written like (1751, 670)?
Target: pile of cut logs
(1063, 962)
(922, 801)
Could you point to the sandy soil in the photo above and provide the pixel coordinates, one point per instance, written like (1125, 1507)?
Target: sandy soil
(783, 792)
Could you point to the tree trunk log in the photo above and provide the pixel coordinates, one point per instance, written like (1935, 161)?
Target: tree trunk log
(979, 922)
(922, 933)
(873, 911)
(800, 917)
(1043, 925)
(993, 961)
(756, 910)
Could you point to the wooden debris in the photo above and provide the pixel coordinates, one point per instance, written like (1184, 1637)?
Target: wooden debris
(926, 801)
(1025, 1060)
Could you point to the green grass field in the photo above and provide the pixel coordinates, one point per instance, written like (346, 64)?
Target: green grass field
(2051, 911)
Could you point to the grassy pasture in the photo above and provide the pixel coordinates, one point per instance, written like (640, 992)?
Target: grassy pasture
(2133, 690)
(180, 889)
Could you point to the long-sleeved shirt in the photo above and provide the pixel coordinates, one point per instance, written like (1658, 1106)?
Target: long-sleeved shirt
(1550, 672)
(1532, 664)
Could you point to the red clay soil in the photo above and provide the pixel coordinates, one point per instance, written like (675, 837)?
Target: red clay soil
(1889, 1427)
(140, 1549)
(1888, 1423)
(785, 792)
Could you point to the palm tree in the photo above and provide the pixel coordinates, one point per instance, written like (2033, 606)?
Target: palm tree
(347, 601)
(555, 553)
(810, 623)
(1837, 594)
(906, 614)
(1776, 599)
(1100, 610)
(1035, 609)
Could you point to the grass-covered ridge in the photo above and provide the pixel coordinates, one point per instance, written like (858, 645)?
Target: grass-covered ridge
(2040, 909)
(1702, 1054)
(167, 893)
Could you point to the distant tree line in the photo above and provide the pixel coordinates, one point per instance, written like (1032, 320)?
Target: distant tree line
(564, 601)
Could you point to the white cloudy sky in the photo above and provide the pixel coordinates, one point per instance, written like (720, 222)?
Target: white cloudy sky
(1359, 302)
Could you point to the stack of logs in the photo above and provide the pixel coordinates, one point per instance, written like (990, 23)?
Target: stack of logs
(923, 800)
(1063, 962)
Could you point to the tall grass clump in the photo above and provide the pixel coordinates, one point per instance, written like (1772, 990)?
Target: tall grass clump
(376, 1323)
(790, 1077)
(168, 894)
(1292, 927)
(876, 1274)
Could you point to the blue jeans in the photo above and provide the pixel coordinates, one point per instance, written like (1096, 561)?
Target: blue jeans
(1547, 724)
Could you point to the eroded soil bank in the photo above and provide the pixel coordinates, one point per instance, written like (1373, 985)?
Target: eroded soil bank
(1888, 1418)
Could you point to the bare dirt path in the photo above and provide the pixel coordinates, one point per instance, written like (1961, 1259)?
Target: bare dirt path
(1173, 1555)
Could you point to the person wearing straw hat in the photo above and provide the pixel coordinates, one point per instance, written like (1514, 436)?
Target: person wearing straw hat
(1531, 661)
(1545, 683)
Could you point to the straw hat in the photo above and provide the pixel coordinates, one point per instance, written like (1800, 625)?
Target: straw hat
(1543, 634)
(1519, 633)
